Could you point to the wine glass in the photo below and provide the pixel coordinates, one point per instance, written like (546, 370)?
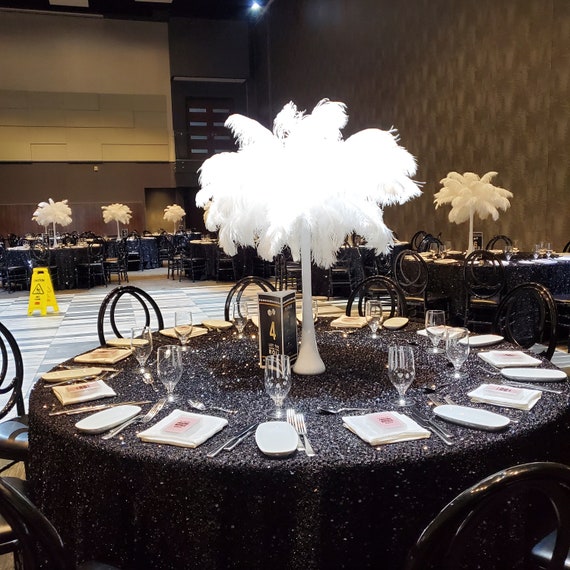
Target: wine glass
(548, 249)
(240, 316)
(457, 348)
(508, 252)
(536, 252)
(141, 345)
(169, 367)
(435, 328)
(374, 315)
(277, 380)
(401, 371)
(183, 327)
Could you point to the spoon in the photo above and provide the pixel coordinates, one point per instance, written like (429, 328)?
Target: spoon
(202, 407)
(340, 410)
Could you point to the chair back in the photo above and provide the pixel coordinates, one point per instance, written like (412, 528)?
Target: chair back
(382, 288)
(566, 248)
(471, 521)
(484, 274)
(147, 304)
(411, 273)
(11, 373)
(39, 542)
(417, 239)
(527, 315)
(427, 241)
(499, 240)
(238, 289)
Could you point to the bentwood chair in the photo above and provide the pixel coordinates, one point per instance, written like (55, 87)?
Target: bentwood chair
(14, 430)
(13, 274)
(236, 292)
(499, 242)
(527, 316)
(118, 263)
(566, 248)
(92, 270)
(122, 315)
(417, 239)
(382, 288)
(39, 545)
(498, 522)
(485, 281)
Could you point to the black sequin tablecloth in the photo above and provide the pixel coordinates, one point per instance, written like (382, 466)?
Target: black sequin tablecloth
(142, 505)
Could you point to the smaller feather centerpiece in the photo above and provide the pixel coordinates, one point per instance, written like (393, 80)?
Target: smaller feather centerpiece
(119, 213)
(52, 213)
(470, 194)
(173, 213)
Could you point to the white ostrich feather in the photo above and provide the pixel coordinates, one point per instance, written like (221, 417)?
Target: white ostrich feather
(468, 194)
(117, 213)
(53, 213)
(173, 213)
(304, 175)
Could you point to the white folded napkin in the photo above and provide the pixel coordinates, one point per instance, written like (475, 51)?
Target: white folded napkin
(83, 392)
(385, 427)
(508, 358)
(505, 396)
(349, 322)
(196, 331)
(184, 429)
(103, 356)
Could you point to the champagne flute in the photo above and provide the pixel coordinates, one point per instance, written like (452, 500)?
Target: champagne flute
(240, 316)
(169, 367)
(401, 371)
(374, 315)
(435, 328)
(141, 345)
(457, 348)
(183, 327)
(277, 380)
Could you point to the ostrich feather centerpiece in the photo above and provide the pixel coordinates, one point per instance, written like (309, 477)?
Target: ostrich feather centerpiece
(119, 213)
(305, 187)
(469, 195)
(53, 213)
(173, 213)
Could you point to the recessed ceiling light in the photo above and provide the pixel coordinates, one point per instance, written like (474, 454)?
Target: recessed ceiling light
(255, 6)
(74, 3)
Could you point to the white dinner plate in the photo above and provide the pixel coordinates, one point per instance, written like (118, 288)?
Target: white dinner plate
(395, 323)
(482, 340)
(276, 438)
(71, 374)
(534, 374)
(472, 417)
(107, 419)
(215, 324)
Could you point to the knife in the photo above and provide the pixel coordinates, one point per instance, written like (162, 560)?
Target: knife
(96, 408)
(531, 386)
(233, 440)
(232, 446)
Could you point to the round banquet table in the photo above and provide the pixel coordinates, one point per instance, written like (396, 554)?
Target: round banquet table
(145, 505)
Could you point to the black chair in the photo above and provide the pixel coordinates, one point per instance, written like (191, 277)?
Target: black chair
(92, 271)
(340, 273)
(566, 248)
(427, 241)
(111, 303)
(14, 274)
(417, 239)
(41, 257)
(192, 262)
(382, 288)
(236, 292)
(499, 242)
(485, 281)
(13, 431)
(527, 316)
(118, 263)
(39, 543)
(411, 274)
(134, 252)
(494, 522)
(225, 266)
(287, 272)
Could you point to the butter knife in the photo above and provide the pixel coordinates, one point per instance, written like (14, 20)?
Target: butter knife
(531, 386)
(232, 440)
(83, 409)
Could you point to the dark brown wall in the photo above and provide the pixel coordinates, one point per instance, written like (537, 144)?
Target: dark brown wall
(476, 85)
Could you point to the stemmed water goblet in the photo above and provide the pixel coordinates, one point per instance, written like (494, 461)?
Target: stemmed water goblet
(457, 348)
(240, 316)
(374, 315)
(401, 371)
(435, 328)
(548, 249)
(183, 327)
(169, 367)
(277, 378)
(508, 251)
(141, 345)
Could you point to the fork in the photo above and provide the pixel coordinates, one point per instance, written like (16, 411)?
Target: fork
(137, 419)
(302, 431)
(291, 420)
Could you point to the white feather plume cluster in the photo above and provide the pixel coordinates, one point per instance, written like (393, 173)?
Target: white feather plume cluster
(468, 193)
(173, 213)
(303, 174)
(51, 212)
(117, 213)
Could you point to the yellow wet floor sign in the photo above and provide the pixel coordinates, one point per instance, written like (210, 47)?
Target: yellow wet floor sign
(41, 292)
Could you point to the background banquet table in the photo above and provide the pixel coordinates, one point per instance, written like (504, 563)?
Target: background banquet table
(350, 506)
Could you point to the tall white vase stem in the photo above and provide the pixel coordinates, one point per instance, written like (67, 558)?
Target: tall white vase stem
(309, 360)
(470, 244)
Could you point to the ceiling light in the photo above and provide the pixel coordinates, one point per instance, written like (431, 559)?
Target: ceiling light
(74, 3)
(255, 6)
